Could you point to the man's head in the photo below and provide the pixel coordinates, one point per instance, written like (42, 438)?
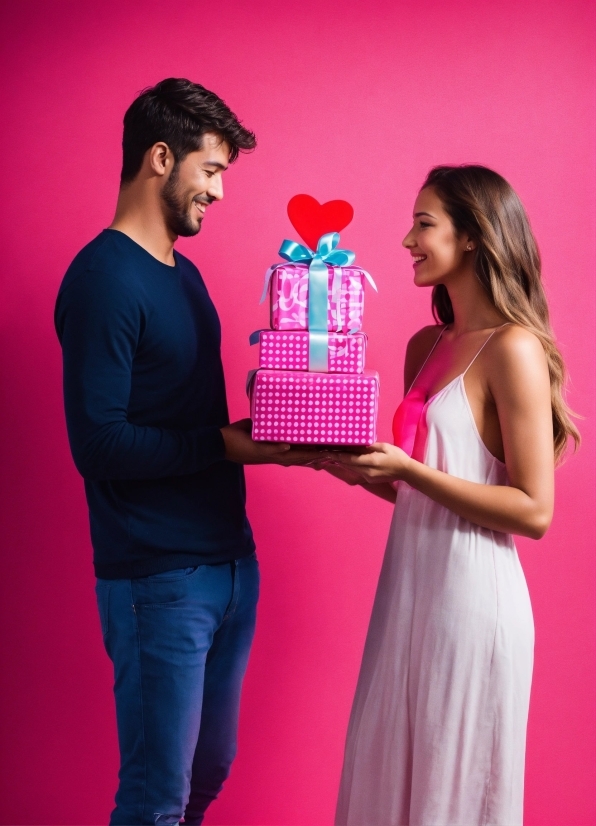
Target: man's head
(185, 136)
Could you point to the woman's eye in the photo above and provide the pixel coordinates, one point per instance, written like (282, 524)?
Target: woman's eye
(424, 224)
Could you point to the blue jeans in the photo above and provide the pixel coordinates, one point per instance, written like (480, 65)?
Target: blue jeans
(179, 642)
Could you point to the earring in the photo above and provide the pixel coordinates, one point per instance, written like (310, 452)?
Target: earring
(469, 247)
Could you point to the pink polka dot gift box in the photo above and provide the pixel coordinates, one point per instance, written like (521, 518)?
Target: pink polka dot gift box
(314, 408)
(290, 350)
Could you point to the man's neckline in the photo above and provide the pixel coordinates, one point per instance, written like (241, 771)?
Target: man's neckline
(141, 247)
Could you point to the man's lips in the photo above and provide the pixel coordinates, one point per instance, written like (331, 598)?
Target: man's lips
(201, 205)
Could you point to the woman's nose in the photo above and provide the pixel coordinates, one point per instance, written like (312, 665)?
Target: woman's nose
(408, 240)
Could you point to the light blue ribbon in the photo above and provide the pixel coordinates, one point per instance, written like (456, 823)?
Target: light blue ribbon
(318, 290)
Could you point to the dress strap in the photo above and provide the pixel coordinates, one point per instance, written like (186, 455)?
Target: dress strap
(430, 352)
(484, 345)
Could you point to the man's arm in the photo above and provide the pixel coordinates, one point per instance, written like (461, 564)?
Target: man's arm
(99, 322)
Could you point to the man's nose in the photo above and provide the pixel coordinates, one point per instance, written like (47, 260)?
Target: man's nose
(215, 189)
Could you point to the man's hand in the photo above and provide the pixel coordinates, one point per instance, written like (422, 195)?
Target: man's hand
(242, 449)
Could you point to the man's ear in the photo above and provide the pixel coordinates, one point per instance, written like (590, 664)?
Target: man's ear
(160, 158)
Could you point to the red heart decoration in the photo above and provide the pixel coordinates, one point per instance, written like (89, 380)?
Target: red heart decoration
(311, 219)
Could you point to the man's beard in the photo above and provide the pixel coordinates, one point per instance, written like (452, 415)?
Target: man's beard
(178, 215)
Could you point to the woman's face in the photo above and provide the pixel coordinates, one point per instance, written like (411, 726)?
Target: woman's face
(438, 254)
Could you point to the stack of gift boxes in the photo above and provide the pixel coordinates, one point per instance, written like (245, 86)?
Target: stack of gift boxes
(312, 386)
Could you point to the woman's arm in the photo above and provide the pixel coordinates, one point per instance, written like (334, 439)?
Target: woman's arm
(518, 381)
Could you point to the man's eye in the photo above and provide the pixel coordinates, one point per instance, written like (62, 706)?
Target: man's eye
(209, 173)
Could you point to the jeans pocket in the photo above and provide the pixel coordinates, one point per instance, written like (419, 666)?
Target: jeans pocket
(102, 592)
(170, 576)
(168, 588)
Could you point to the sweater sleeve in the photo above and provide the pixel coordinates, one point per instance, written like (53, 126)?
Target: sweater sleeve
(99, 323)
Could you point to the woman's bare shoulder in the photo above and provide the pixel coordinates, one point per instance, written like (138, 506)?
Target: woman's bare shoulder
(514, 342)
(418, 348)
(516, 354)
(423, 340)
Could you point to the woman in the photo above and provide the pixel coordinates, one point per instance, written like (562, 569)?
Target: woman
(438, 726)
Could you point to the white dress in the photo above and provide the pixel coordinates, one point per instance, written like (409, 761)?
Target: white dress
(438, 726)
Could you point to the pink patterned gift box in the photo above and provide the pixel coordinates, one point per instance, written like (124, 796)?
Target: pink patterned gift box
(289, 298)
(289, 351)
(314, 408)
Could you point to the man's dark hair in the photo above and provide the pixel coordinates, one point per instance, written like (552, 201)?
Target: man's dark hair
(178, 113)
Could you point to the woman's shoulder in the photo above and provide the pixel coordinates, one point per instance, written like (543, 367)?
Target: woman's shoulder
(512, 342)
(417, 350)
(515, 353)
(421, 342)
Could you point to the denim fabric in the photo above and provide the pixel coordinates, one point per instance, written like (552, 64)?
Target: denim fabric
(179, 641)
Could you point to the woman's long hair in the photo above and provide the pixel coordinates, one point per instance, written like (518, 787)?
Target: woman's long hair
(483, 205)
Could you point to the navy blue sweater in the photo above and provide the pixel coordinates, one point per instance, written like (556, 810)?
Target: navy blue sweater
(145, 400)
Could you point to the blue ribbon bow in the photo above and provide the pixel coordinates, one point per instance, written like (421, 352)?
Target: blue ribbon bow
(318, 289)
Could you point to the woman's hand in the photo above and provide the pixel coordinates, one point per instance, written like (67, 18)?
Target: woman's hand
(350, 477)
(381, 462)
(354, 475)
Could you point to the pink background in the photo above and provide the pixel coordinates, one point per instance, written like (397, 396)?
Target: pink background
(349, 100)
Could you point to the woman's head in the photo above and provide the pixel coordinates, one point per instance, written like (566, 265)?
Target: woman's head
(484, 208)
(440, 253)
(487, 216)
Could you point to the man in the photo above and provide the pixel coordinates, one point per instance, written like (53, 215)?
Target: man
(177, 576)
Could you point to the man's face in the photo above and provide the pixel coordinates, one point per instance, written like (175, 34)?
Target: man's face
(193, 184)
